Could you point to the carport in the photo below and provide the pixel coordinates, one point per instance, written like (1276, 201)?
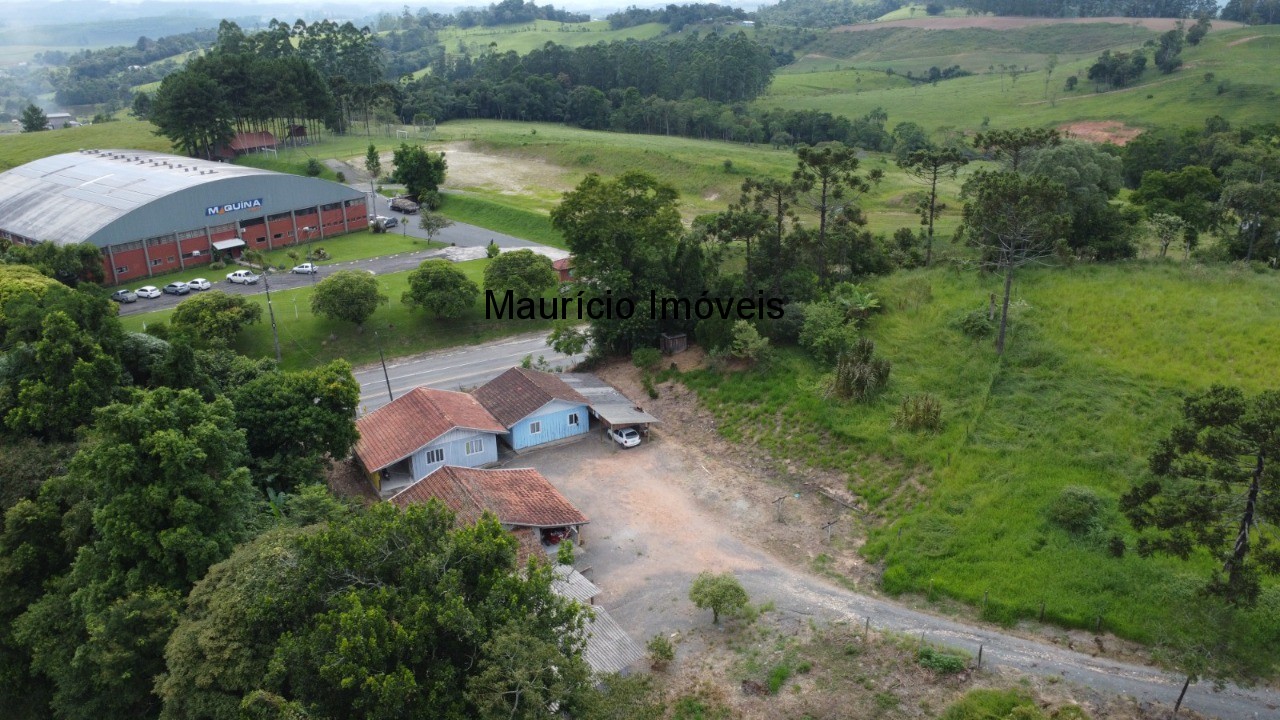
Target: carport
(607, 403)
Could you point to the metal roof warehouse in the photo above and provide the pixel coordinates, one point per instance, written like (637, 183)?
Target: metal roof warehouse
(152, 213)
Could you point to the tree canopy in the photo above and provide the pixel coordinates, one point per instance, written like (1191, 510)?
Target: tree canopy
(524, 272)
(441, 288)
(350, 295)
(215, 316)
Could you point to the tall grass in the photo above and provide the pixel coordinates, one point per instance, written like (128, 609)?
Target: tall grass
(1099, 358)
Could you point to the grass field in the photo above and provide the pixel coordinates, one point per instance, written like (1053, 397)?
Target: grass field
(22, 148)
(355, 246)
(530, 36)
(1243, 88)
(491, 213)
(307, 340)
(917, 10)
(1098, 358)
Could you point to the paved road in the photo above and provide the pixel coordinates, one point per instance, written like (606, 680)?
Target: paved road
(460, 234)
(455, 368)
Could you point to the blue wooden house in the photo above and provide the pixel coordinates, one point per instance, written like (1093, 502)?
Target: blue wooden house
(422, 431)
(535, 408)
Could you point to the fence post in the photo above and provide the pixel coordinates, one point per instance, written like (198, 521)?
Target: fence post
(979, 656)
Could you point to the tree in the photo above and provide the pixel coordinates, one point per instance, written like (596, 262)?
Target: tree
(1091, 177)
(1015, 221)
(142, 106)
(383, 613)
(1012, 146)
(160, 496)
(1190, 193)
(1198, 31)
(68, 264)
(433, 223)
(928, 166)
(721, 593)
(440, 287)
(567, 339)
(296, 422)
(191, 109)
(1215, 488)
(59, 378)
(747, 343)
(420, 172)
(349, 295)
(215, 316)
(525, 273)
(33, 119)
(1166, 229)
(373, 166)
(828, 177)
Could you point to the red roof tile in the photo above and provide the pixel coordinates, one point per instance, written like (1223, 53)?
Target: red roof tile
(517, 496)
(517, 393)
(394, 431)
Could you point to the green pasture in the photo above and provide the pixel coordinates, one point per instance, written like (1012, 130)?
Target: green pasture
(307, 340)
(493, 213)
(1099, 357)
(917, 10)
(1242, 88)
(355, 246)
(530, 36)
(21, 148)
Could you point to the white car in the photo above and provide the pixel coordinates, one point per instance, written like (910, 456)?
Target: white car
(149, 291)
(306, 269)
(244, 277)
(199, 284)
(626, 437)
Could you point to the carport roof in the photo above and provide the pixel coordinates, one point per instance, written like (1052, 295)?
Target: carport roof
(607, 401)
(609, 648)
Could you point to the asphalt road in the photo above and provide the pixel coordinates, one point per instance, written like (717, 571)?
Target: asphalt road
(460, 234)
(455, 368)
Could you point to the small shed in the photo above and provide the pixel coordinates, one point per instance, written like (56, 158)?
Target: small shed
(608, 404)
(564, 269)
(674, 343)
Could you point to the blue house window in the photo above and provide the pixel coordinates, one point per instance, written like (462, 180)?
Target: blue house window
(535, 427)
(573, 419)
(475, 446)
(435, 456)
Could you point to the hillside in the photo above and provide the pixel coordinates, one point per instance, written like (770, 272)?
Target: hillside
(1099, 357)
(1230, 74)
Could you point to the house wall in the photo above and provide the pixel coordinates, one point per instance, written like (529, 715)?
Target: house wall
(454, 444)
(554, 417)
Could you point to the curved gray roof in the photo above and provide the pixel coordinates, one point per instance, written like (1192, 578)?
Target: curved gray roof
(113, 196)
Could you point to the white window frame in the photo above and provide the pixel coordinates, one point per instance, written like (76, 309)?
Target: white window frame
(574, 419)
(535, 427)
(435, 455)
(477, 444)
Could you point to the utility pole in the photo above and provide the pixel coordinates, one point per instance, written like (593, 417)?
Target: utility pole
(386, 376)
(266, 284)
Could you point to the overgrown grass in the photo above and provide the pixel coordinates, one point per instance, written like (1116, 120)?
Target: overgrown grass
(22, 148)
(530, 36)
(307, 340)
(1099, 357)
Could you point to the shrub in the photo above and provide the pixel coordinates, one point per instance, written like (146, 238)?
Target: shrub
(825, 334)
(1078, 510)
(649, 388)
(860, 375)
(647, 359)
(940, 662)
(661, 652)
(747, 343)
(975, 324)
(314, 168)
(777, 677)
(342, 177)
(217, 265)
(492, 250)
(1117, 546)
(430, 200)
(919, 412)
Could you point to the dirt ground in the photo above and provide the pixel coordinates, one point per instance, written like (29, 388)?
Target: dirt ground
(471, 169)
(989, 22)
(1110, 131)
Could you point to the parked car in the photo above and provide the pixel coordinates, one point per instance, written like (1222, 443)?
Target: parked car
(243, 277)
(387, 222)
(306, 269)
(199, 284)
(177, 288)
(405, 205)
(626, 437)
(149, 291)
(125, 296)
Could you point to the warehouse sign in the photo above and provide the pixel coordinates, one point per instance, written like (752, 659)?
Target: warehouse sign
(233, 207)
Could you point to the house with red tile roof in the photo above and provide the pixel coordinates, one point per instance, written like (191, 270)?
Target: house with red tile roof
(422, 431)
(535, 408)
(521, 498)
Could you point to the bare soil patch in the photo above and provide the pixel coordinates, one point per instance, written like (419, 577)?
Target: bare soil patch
(991, 22)
(470, 168)
(1242, 41)
(1116, 133)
